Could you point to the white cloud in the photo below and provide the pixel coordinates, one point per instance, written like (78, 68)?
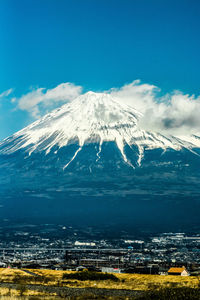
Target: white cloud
(174, 113)
(136, 94)
(41, 100)
(6, 93)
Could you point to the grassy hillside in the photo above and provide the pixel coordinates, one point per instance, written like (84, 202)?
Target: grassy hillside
(126, 281)
(18, 282)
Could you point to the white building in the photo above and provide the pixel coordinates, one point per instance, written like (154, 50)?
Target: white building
(178, 271)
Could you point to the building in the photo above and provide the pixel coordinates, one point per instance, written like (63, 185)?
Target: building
(110, 270)
(178, 271)
(86, 262)
(77, 243)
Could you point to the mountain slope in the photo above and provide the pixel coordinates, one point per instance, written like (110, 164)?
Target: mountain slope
(89, 160)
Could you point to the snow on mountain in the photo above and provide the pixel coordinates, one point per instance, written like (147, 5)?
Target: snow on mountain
(79, 164)
(92, 117)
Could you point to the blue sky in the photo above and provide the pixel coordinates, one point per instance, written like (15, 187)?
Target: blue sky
(95, 45)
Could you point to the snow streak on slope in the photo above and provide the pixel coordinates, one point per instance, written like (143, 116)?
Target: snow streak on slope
(92, 117)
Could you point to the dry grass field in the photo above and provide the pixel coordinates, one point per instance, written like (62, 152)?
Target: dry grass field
(55, 278)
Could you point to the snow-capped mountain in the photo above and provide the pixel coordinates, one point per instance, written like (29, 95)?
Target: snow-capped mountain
(93, 117)
(90, 160)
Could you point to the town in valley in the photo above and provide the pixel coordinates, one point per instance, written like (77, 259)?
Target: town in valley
(65, 247)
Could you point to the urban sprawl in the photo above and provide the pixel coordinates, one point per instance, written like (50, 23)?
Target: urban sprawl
(65, 248)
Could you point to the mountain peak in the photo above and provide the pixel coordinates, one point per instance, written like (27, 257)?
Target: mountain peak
(91, 117)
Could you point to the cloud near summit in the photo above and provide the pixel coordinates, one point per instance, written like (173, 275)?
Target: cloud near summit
(174, 113)
(41, 100)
